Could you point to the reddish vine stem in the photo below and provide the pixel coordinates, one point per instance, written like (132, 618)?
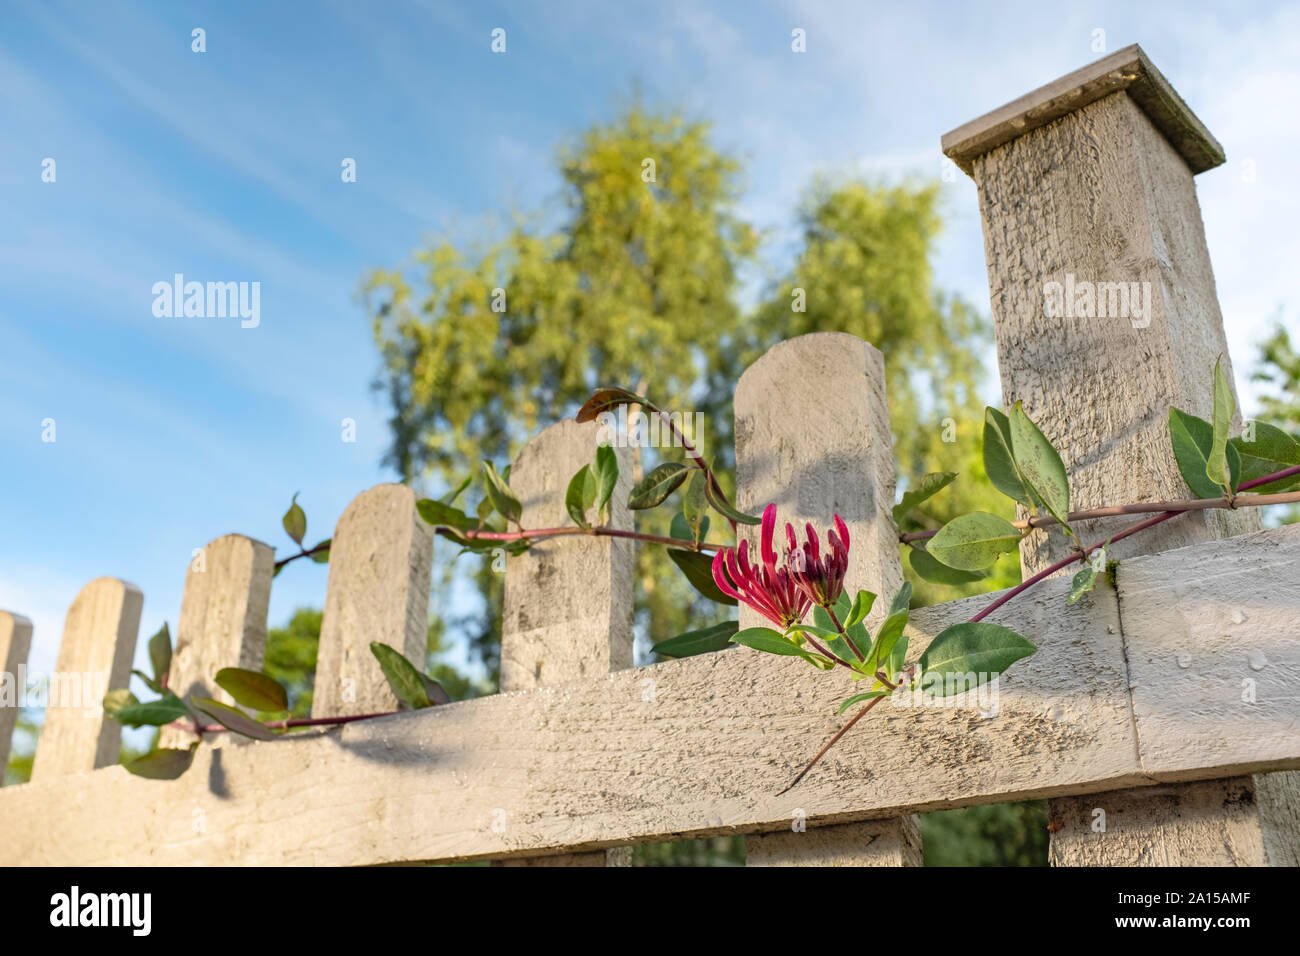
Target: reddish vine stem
(201, 729)
(600, 532)
(304, 553)
(1149, 507)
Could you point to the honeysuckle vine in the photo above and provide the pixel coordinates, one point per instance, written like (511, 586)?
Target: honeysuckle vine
(787, 577)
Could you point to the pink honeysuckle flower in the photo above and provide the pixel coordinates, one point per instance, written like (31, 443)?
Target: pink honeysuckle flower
(768, 589)
(819, 576)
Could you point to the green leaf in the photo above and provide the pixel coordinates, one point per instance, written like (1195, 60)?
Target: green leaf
(233, 719)
(703, 641)
(116, 700)
(1192, 439)
(724, 508)
(655, 487)
(152, 713)
(320, 554)
(160, 654)
(606, 476)
(580, 496)
(772, 642)
(929, 569)
(698, 568)
(149, 682)
(295, 520)
(926, 488)
(607, 399)
(891, 629)
(974, 541)
(1272, 450)
(442, 515)
(829, 638)
(253, 689)
(162, 764)
(857, 631)
(1216, 465)
(411, 686)
(859, 698)
(450, 497)
(981, 648)
(695, 506)
(1039, 464)
(1085, 580)
(860, 608)
(499, 493)
(897, 658)
(999, 464)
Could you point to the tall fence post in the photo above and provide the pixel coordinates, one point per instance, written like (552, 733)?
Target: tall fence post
(15, 642)
(568, 601)
(381, 565)
(222, 622)
(95, 656)
(1105, 314)
(812, 435)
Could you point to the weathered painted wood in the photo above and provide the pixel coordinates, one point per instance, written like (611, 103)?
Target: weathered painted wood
(598, 763)
(895, 842)
(1212, 823)
(98, 643)
(568, 601)
(15, 642)
(1079, 183)
(1126, 70)
(222, 622)
(820, 448)
(381, 561)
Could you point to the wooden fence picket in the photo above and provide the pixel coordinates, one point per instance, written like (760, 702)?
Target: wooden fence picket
(98, 643)
(812, 435)
(222, 622)
(568, 601)
(1090, 180)
(381, 565)
(15, 642)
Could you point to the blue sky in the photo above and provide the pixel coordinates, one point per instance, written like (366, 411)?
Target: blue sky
(225, 166)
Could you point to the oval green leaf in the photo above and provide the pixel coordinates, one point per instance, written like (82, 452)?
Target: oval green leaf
(295, 520)
(979, 647)
(655, 487)
(253, 689)
(160, 654)
(1039, 464)
(716, 637)
(162, 764)
(698, 568)
(233, 719)
(500, 495)
(926, 488)
(929, 569)
(974, 541)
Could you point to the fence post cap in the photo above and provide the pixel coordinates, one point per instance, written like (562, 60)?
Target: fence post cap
(1128, 70)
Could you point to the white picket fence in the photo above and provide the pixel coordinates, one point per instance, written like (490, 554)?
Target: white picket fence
(1142, 715)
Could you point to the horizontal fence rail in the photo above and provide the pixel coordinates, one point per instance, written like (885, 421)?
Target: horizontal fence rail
(602, 762)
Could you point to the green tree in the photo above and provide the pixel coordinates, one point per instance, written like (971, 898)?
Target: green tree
(636, 287)
(1279, 368)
